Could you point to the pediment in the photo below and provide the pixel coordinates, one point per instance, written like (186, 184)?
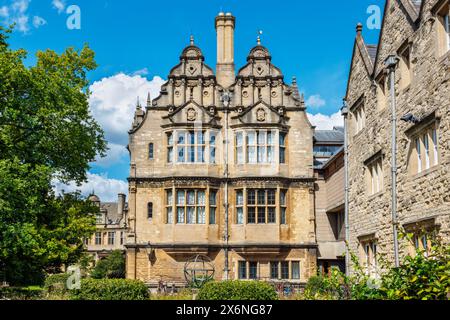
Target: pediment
(262, 114)
(191, 112)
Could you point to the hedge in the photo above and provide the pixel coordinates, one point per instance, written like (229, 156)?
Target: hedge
(237, 290)
(110, 289)
(21, 293)
(56, 283)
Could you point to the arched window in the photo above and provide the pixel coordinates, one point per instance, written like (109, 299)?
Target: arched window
(150, 210)
(151, 153)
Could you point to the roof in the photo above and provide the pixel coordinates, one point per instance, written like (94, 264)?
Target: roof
(372, 50)
(329, 136)
(112, 211)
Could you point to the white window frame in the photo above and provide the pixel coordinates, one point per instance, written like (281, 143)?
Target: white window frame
(447, 29)
(434, 138)
(426, 145)
(419, 155)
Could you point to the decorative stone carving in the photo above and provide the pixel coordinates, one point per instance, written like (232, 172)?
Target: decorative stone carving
(191, 114)
(261, 115)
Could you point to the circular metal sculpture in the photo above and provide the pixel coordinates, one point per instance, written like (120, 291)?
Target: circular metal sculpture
(198, 270)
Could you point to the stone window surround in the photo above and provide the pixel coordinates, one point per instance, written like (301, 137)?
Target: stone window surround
(359, 114)
(280, 207)
(368, 252)
(441, 12)
(280, 263)
(374, 165)
(111, 238)
(209, 145)
(171, 215)
(405, 65)
(381, 90)
(423, 231)
(279, 155)
(429, 126)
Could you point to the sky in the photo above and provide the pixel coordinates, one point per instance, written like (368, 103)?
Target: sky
(137, 42)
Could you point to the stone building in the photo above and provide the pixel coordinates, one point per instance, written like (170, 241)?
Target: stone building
(329, 199)
(111, 227)
(417, 32)
(222, 166)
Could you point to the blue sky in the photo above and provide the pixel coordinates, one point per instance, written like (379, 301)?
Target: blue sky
(136, 41)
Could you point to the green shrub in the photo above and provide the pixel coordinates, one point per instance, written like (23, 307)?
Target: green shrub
(56, 282)
(110, 289)
(237, 290)
(112, 267)
(21, 293)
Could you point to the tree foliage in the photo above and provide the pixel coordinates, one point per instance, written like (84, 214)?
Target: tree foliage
(46, 133)
(112, 267)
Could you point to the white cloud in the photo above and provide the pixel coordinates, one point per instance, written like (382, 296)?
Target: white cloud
(17, 13)
(106, 189)
(142, 72)
(59, 5)
(4, 12)
(38, 22)
(113, 102)
(315, 101)
(324, 122)
(116, 154)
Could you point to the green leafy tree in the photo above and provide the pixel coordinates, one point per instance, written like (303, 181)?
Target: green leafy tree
(46, 133)
(112, 267)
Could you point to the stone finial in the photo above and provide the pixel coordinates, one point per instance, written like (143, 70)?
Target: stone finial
(258, 39)
(138, 103)
(295, 91)
(359, 28)
(149, 100)
(191, 40)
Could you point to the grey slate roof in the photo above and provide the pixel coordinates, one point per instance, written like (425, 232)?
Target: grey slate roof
(372, 49)
(329, 136)
(112, 214)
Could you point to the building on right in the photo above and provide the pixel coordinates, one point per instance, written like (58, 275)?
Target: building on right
(417, 34)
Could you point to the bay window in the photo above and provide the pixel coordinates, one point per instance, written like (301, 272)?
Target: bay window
(191, 146)
(259, 146)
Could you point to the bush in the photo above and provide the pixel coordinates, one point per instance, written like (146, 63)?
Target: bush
(110, 289)
(21, 293)
(237, 290)
(112, 267)
(56, 282)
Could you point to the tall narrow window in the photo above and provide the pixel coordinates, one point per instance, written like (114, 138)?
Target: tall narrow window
(242, 270)
(122, 237)
(181, 202)
(295, 265)
(251, 147)
(375, 170)
(151, 153)
(274, 267)
(405, 68)
(181, 147)
(427, 151)
(251, 209)
(169, 206)
(111, 238)
(98, 238)
(191, 147)
(212, 206)
(282, 147)
(435, 146)
(283, 208)
(170, 148)
(271, 208)
(239, 207)
(201, 147)
(419, 156)
(190, 207)
(240, 148)
(285, 270)
(253, 270)
(201, 203)
(212, 147)
(150, 210)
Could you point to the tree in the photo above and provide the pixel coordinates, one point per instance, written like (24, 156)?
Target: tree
(112, 267)
(46, 133)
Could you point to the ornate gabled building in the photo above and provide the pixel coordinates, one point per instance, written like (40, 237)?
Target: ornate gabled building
(222, 165)
(417, 34)
(111, 227)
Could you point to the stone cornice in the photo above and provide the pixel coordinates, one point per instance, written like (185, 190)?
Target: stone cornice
(218, 180)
